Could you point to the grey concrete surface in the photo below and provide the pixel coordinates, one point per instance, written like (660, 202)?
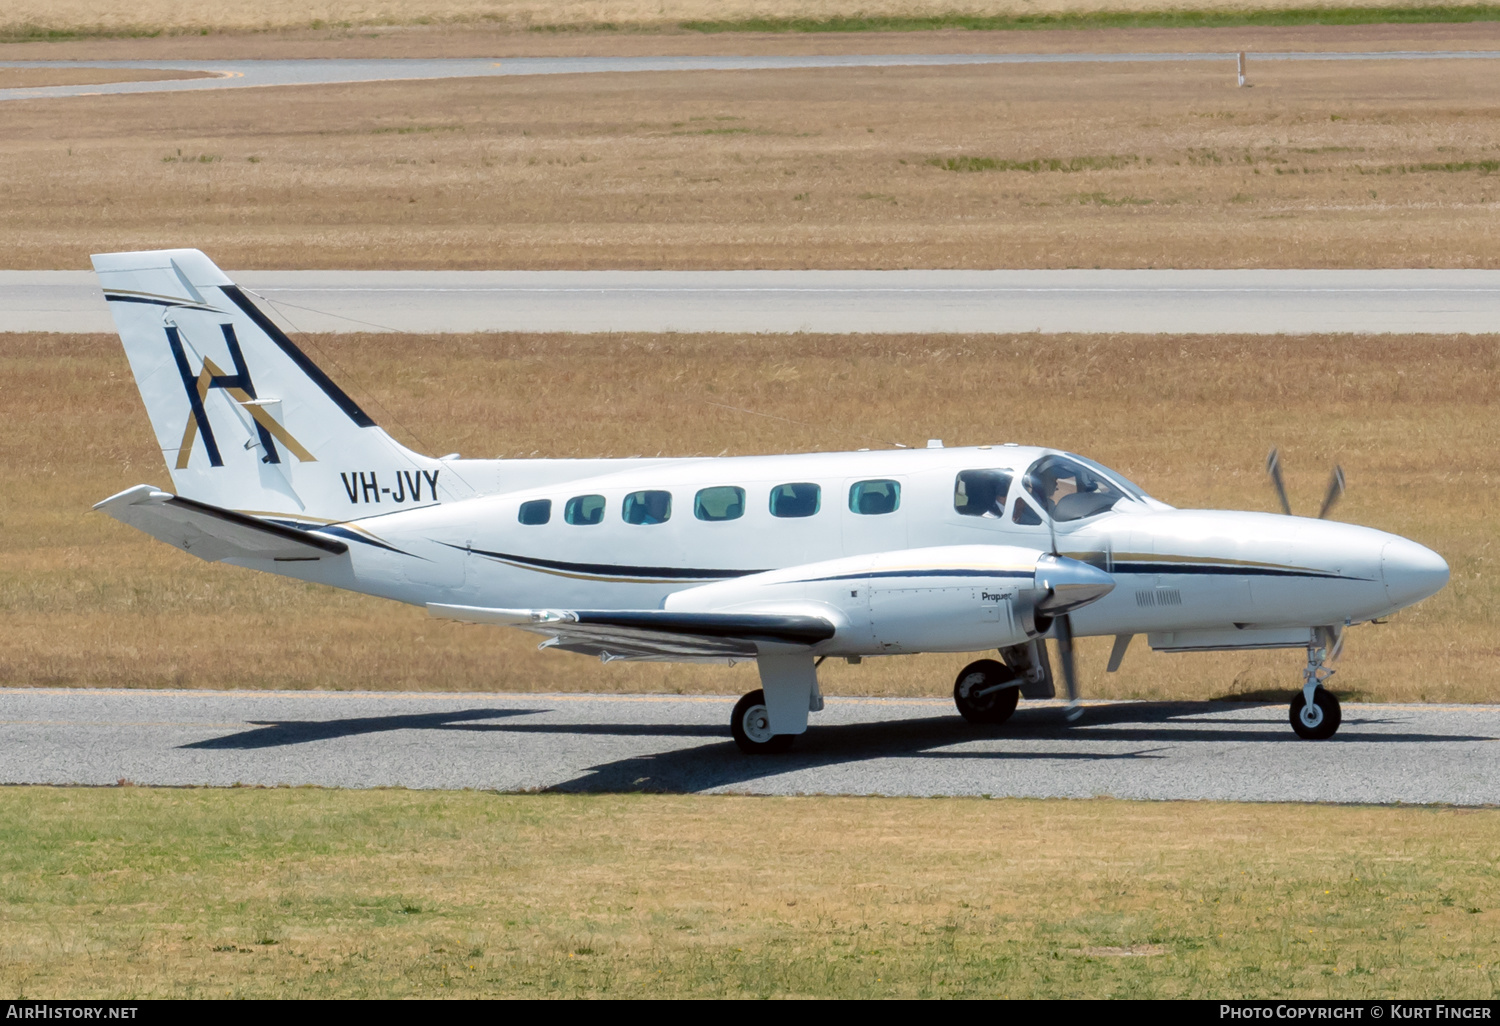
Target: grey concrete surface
(508, 742)
(1207, 301)
(241, 74)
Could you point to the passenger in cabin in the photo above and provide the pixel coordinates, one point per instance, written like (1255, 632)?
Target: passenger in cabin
(651, 507)
(801, 499)
(874, 498)
(981, 493)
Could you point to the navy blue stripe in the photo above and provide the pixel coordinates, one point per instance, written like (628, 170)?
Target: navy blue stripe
(665, 573)
(342, 532)
(195, 401)
(115, 297)
(1230, 571)
(312, 370)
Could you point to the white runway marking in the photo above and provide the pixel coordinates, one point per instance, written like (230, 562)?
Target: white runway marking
(245, 74)
(1203, 301)
(1139, 750)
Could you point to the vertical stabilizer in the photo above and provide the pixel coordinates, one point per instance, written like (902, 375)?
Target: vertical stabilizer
(244, 419)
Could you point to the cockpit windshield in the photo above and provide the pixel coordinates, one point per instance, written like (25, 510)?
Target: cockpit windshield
(1114, 477)
(1069, 489)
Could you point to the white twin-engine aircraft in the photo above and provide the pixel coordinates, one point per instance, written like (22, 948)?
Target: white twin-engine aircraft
(786, 560)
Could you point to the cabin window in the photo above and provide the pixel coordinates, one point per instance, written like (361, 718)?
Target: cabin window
(723, 503)
(535, 512)
(1024, 514)
(796, 500)
(872, 498)
(584, 509)
(981, 493)
(647, 508)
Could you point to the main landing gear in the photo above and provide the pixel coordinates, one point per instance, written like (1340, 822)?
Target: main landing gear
(750, 723)
(1315, 713)
(986, 692)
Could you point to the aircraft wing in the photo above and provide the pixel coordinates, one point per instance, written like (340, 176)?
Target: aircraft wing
(213, 533)
(656, 634)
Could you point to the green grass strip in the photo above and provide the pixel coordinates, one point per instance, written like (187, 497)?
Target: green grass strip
(1033, 166)
(1113, 19)
(38, 34)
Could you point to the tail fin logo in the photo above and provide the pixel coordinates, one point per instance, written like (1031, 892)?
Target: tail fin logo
(241, 389)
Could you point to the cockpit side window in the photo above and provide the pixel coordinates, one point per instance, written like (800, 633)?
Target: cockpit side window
(981, 493)
(1067, 490)
(1024, 514)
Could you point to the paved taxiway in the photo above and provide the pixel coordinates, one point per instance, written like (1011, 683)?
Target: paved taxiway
(1206, 301)
(241, 74)
(1143, 750)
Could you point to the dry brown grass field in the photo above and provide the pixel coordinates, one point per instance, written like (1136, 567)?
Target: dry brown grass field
(1342, 165)
(186, 16)
(134, 892)
(87, 601)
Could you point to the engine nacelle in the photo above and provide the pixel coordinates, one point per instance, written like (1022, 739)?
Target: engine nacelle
(954, 598)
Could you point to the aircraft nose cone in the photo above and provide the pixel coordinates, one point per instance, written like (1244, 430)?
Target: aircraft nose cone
(1070, 584)
(1411, 572)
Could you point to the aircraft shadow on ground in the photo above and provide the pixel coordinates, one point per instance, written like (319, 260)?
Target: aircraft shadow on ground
(720, 764)
(279, 733)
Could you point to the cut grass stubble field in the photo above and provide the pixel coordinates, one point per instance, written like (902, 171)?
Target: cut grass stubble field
(301, 893)
(1365, 164)
(87, 601)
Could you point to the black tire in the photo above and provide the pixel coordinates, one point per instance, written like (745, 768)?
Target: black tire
(994, 706)
(1326, 717)
(748, 723)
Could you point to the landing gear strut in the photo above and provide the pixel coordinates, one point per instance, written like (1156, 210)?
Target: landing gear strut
(1315, 713)
(986, 692)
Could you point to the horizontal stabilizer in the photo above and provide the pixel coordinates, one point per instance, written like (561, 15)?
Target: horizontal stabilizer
(652, 633)
(212, 533)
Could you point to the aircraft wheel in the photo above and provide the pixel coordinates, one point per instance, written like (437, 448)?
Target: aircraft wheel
(986, 692)
(751, 726)
(1319, 721)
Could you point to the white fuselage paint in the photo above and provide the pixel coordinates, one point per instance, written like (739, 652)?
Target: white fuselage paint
(1221, 577)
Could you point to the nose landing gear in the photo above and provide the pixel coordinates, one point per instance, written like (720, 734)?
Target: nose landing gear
(1315, 713)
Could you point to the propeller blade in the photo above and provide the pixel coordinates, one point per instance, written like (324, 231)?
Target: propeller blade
(1337, 648)
(1062, 627)
(1335, 492)
(1273, 467)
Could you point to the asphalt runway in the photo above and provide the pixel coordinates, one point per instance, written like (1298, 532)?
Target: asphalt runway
(1202, 301)
(1138, 750)
(242, 74)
